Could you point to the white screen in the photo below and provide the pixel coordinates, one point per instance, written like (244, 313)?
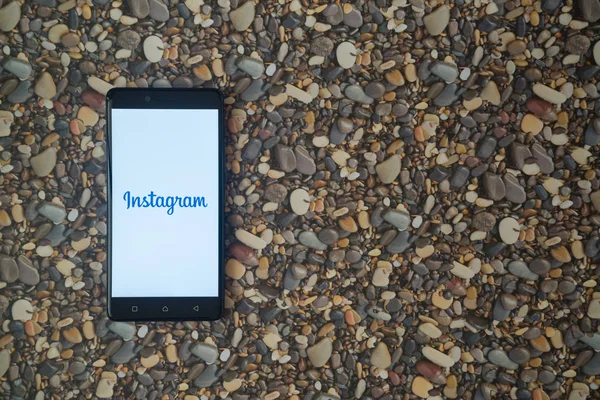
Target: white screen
(171, 153)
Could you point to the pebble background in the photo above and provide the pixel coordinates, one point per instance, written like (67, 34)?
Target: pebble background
(413, 199)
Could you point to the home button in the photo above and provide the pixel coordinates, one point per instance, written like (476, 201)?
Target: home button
(196, 308)
(165, 309)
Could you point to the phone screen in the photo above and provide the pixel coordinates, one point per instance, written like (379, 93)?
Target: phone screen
(165, 203)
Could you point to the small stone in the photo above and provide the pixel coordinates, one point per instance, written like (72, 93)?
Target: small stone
(421, 387)
(484, 221)
(4, 360)
(548, 94)
(541, 344)
(596, 52)
(380, 357)
(531, 123)
(128, 39)
(139, 8)
(4, 218)
(520, 269)
(153, 48)
(381, 276)
(514, 191)
(99, 85)
(206, 352)
(388, 170)
(357, 93)
(353, 18)
(490, 93)
(9, 271)
(399, 219)
(158, 11)
(45, 87)
(580, 155)
(310, 239)
(207, 378)
(234, 269)
(70, 39)
(593, 366)
(520, 355)
(65, 267)
(437, 21)
(88, 116)
(10, 15)
(243, 16)
(462, 271)
(123, 329)
(516, 47)
(320, 353)
(590, 9)
(106, 384)
(298, 94)
(348, 224)
(22, 310)
(322, 46)
(577, 44)
(594, 309)
(72, 335)
(285, 158)
(6, 120)
(395, 77)
(540, 266)
(509, 230)
(44, 163)
(500, 358)
(251, 66)
(375, 90)
(346, 55)
(305, 164)
(300, 201)
(20, 69)
(28, 274)
(446, 71)
(53, 212)
(431, 371)
(437, 357)
(250, 240)
(276, 193)
(561, 254)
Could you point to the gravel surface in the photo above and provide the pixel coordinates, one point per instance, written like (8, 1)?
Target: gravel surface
(413, 199)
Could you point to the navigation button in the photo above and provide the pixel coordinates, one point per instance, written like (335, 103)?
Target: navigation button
(165, 309)
(196, 308)
(134, 308)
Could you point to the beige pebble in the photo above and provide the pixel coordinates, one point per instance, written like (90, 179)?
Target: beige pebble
(430, 330)
(171, 353)
(531, 123)
(548, 94)
(151, 361)
(421, 387)
(250, 240)
(437, 357)
(440, 301)
(462, 271)
(88, 116)
(65, 267)
(509, 230)
(234, 269)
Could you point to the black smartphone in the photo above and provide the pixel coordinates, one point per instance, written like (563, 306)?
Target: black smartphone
(165, 204)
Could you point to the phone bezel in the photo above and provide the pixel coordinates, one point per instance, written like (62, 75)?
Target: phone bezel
(178, 308)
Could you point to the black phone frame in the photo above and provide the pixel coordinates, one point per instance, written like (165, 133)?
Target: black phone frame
(167, 308)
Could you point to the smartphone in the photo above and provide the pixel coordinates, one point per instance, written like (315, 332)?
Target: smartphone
(165, 204)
